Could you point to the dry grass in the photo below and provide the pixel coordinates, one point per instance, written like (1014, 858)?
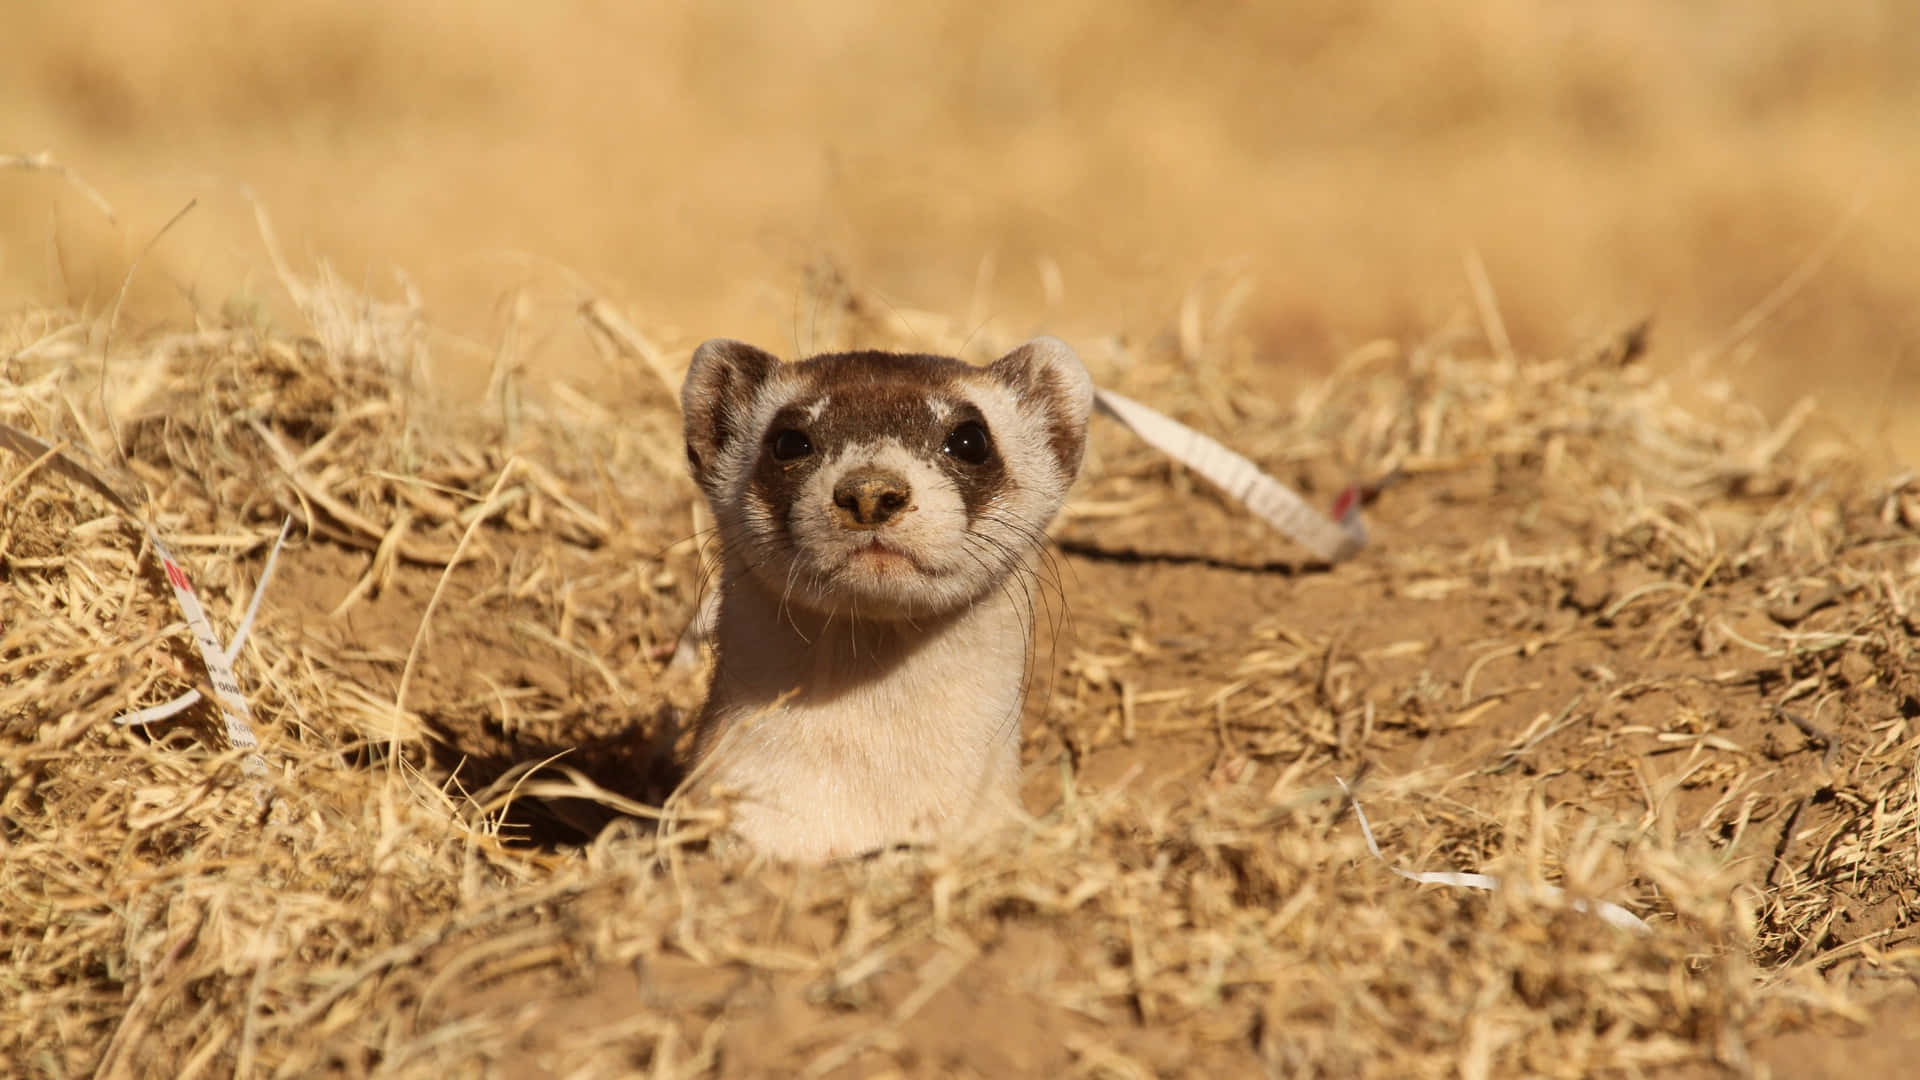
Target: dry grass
(1646, 652)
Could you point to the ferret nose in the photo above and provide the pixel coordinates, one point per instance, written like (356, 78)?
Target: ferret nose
(869, 498)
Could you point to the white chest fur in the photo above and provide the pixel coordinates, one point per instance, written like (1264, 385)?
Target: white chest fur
(839, 737)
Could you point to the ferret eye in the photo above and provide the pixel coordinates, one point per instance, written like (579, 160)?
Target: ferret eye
(970, 443)
(790, 445)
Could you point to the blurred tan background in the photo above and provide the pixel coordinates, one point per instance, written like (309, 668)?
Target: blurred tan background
(1074, 166)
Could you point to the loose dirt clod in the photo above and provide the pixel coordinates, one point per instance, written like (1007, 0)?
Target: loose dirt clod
(461, 885)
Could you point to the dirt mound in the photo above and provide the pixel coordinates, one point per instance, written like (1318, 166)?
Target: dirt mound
(1649, 652)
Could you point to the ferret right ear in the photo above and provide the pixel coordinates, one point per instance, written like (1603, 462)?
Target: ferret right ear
(721, 383)
(1048, 377)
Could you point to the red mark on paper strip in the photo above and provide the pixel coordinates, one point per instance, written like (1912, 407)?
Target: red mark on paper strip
(177, 576)
(1345, 503)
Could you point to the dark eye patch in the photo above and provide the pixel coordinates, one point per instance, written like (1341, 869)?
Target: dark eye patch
(969, 456)
(790, 450)
(789, 444)
(791, 436)
(969, 442)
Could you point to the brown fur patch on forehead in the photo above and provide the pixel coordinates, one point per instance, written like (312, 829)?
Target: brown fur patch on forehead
(857, 371)
(872, 395)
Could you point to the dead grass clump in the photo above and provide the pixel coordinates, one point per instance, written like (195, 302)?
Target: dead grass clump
(1607, 644)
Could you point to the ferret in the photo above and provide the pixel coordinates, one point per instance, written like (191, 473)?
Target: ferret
(880, 519)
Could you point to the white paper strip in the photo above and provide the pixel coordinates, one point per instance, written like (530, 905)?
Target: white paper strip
(235, 716)
(1330, 539)
(234, 713)
(1613, 914)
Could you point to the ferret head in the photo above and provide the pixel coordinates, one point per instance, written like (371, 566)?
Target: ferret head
(879, 485)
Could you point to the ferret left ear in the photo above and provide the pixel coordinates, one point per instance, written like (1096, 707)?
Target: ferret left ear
(1047, 375)
(720, 387)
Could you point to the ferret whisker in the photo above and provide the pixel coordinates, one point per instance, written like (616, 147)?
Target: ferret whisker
(1009, 575)
(1028, 657)
(785, 611)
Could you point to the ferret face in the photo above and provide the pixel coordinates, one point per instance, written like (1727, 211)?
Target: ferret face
(877, 485)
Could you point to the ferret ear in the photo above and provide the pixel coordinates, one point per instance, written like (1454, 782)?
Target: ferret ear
(720, 386)
(1047, 376)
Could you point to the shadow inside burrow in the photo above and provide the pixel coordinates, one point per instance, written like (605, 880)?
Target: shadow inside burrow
(640, 764)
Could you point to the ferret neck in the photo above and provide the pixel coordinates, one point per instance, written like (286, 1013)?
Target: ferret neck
(769, 649)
